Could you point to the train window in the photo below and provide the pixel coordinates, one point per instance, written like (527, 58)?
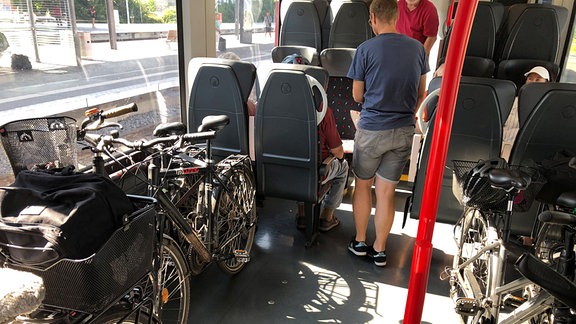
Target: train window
(61, 57)
(569, 73)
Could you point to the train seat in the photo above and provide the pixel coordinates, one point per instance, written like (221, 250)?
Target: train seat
(337, 62)
(221, 86)
(485, 27)
(301, 26)
(531, 31)
(482, 106)
(309, 53)
(265, 69)
(350, 26)
(287, 142)
(479, 60)
(547, 116)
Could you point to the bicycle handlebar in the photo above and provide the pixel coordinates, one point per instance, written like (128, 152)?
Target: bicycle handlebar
(95, 118)
(99, 142)
(119, 111)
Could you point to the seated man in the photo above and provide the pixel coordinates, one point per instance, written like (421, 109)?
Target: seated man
(336, 165)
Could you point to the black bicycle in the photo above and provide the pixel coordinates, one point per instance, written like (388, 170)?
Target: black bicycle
(209, 206)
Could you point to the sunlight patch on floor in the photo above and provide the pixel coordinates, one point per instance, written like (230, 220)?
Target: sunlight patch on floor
(386, 303)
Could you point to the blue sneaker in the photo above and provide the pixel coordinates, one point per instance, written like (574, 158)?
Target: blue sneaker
(358, 248)
(378, 257)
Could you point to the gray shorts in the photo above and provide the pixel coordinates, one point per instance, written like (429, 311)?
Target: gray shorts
(382, 153)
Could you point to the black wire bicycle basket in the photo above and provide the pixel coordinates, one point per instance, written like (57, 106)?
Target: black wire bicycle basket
(46, 142)
(473, 189)
(90, 285)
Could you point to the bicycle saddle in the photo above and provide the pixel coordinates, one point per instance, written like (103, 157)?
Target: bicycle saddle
(167, 129)
(567, 199)
(214, 123)
(508, 179)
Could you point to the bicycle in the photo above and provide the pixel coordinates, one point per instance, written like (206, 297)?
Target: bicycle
(138, 276)
(477, 277)
(210, 207)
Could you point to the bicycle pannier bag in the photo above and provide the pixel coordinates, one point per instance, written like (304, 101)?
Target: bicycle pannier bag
(49, 215)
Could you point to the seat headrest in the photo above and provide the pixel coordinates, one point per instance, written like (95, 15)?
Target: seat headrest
(337, 60)
(245, 72)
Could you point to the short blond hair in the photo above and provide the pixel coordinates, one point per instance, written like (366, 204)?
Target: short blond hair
(385, 10)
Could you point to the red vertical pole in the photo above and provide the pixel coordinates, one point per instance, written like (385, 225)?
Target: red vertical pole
(437, 159)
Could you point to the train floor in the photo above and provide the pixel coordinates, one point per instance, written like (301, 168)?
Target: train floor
(287, 283)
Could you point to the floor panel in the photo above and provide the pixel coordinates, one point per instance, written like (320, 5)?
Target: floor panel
(287, 283)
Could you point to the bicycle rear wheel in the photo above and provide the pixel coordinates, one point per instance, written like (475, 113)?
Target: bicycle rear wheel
(174, 284)
(235, 217)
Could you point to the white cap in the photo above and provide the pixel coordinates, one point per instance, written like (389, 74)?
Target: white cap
(541, 71)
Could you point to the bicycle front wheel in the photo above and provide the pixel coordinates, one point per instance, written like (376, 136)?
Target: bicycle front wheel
(235, 218)
(174, 299)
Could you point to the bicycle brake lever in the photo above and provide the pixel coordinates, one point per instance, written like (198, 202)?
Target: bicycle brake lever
(100, 124)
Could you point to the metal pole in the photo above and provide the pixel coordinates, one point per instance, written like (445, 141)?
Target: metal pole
(72, 13)
(438, 149)
(127, 13)
(33, 29)
(111, 24)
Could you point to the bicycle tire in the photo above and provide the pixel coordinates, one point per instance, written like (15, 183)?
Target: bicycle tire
(235, 217)
(473, 233)
(174, 299)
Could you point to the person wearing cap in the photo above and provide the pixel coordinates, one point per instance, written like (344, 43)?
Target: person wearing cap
(512, 125)
(336, 165)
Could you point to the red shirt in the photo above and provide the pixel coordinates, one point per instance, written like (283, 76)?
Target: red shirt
(419, 23)
(329, 137)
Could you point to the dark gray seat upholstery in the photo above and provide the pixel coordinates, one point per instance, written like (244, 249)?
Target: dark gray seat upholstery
(287, 142)
(482, 106)
(221, 87)
(547, 116)
(302, 26)
(350, 26)
(531, 31)
(478, 67)
(264, 70)
(309, 53)
(479, 60)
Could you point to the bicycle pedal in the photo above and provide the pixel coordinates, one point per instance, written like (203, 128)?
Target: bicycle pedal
(242, 255)
(512, 301)
(466, 306)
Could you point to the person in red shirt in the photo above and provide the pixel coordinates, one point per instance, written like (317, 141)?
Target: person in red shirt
(336, 165)
(418, 19)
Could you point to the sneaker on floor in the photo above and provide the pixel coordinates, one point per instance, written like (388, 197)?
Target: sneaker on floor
(358, 248)
(326, 225)
(378, 257)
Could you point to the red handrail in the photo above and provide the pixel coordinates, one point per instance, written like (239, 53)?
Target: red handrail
(438, 149)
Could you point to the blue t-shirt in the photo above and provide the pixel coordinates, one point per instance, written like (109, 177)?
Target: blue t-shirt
(391, 66)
